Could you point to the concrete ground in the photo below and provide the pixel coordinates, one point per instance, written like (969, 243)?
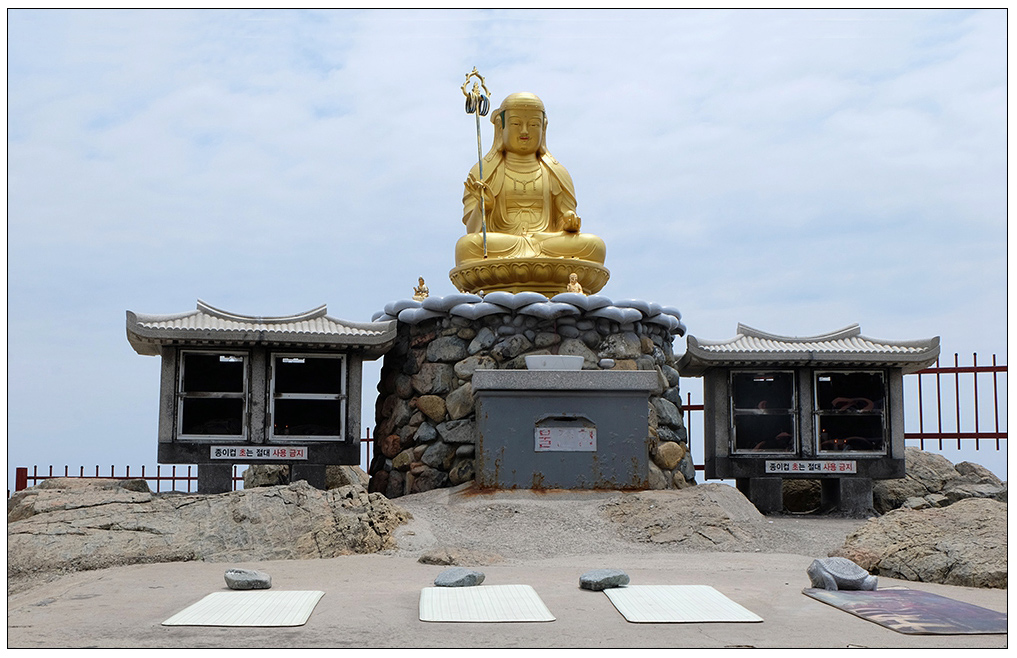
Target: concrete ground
(372, 601)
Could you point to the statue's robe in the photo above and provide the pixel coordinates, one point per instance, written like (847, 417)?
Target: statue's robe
(547, 237)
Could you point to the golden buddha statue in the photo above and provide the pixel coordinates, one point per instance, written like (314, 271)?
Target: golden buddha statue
(530, 240)
(574, 285)
(420, 292)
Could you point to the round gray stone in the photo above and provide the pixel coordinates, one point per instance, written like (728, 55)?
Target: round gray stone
(447, 349)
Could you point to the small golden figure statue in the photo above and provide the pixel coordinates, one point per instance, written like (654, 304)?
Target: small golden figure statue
(574, 285)
(533, 241)
(420, 292)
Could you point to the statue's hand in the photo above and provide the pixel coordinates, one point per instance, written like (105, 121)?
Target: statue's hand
(570, 221)
(479, 187)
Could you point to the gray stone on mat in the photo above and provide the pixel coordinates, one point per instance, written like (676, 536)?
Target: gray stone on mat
(836, 573)
(599, 579)
(247, 579)
(458, 577)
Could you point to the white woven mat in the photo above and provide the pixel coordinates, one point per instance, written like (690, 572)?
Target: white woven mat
(249, 608)
(491, 603)
(676, 604)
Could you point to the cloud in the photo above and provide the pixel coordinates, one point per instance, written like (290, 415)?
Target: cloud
(794, 170)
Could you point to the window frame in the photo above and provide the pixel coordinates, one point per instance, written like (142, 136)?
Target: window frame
(791, 412)
(181, 396)
(342, 397)
(818, 414)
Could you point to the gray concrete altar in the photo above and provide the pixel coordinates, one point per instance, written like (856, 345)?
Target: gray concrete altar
(559, 429)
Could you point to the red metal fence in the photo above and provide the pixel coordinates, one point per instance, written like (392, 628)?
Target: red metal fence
(924, 402)
(943, 403)
(22, 476)
(961, 384)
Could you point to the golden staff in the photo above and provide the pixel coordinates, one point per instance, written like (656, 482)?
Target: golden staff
(478, 104)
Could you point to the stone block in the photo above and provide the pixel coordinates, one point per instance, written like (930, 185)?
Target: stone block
(668, 455)
(390, 446)
(425, 434)
(621, 346)
(459, 577)
(591, 338)
(573, 347)
(674, 396)
(665, 433)
(511, 347)
(568, 332)
(546, 339)
(686, 466)
(429, 478)
(247, 579)
(402, 461)
(458, 431)
(459, 402)
(657, 479)
(465, 368)
(403, 386)
(679, 481)
(667, 413)
(601, 579)
(439, 455)
(395, 486)
(434, 378)
(461, 471)
(447, 349)
(433, 406)
(482, 341)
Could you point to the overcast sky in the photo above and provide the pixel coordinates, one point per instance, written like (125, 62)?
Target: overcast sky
(795, 171)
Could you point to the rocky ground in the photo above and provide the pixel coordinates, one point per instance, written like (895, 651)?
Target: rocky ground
(67, 525)
(523, 525)
(950, 526)
(706, 535)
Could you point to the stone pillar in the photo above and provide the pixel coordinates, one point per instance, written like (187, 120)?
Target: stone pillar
(767, 494)
(850, 496)
(314, 474)
(215, 478)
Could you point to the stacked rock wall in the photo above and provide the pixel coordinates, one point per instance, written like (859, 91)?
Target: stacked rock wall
(425, 431)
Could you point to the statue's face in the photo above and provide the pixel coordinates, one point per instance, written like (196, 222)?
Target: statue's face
(524, 131)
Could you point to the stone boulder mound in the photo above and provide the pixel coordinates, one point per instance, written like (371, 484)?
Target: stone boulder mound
(931, 480)
(74, 525)
(963, 544)
(704, 517)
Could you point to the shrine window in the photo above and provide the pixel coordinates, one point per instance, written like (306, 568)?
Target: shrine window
(764, 412)
(308, 396)
(850, 412)
(212, 394)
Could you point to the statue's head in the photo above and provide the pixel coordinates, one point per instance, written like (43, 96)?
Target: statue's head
(519, 124)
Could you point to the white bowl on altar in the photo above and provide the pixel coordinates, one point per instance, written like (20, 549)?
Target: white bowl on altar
(554, 362)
